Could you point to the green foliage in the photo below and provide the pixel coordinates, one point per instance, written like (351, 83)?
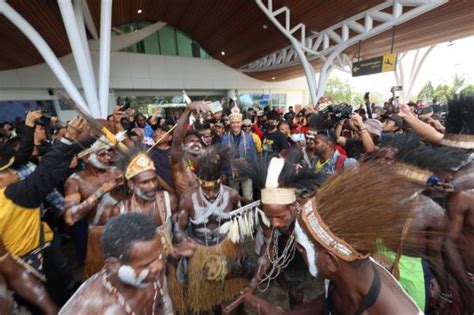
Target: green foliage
(339, 90)
(468, 90)
(426, 91)
(443, 92)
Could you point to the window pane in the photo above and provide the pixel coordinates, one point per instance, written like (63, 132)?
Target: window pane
(167, 41)
(184, 45)
(151, 44)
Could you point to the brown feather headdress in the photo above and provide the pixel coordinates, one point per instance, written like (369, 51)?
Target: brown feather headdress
(357, 209)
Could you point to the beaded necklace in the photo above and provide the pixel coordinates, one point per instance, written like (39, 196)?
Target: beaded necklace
(121, 299)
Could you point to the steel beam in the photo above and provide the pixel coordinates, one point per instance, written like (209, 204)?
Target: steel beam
(328, 44)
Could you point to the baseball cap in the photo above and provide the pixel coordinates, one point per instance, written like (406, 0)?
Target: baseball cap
(164, 127)
(374, 126)
(247, 122)
(397, 119)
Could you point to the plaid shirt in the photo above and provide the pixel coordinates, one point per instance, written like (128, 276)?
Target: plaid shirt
(25, 170)
(55, 199)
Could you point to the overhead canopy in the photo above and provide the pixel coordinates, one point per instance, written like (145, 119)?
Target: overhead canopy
(236, 27)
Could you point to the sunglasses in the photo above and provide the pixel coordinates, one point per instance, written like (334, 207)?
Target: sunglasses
(246, 126)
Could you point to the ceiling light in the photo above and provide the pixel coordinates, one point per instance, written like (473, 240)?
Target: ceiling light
(222, 53)
(273, 78)
(139, 11)
(265, 26)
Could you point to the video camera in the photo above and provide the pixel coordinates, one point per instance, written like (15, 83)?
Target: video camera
(338, 112)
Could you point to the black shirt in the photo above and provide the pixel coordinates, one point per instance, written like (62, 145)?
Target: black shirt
(354, 148)
(274, 142)
(162, 160)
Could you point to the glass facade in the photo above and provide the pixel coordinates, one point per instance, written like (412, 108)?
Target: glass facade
(262, 100)
(151, 104)
(167, 41)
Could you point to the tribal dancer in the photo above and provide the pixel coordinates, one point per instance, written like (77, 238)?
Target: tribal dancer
(85, 189)
(337, 233)
(203, 212)
(453, 164)
(460, 122)
(414, 273)
(276, 245)
(89, 193)
(140, 174)
(133, 279)
(13, 276)
(185, 150)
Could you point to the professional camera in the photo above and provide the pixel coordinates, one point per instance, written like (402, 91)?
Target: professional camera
(338, 112)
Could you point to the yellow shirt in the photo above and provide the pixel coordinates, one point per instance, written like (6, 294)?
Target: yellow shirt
(258, 142)
(319, 166)
(20, 227)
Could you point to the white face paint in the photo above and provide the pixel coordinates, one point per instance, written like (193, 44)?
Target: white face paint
(193, 148)
(96, 163)
(142, 195)
(128, 276)
(308, 246)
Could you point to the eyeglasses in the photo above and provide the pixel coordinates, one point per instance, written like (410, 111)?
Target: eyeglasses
(246, 126)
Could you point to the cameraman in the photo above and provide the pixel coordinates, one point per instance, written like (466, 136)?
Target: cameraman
(368, 132)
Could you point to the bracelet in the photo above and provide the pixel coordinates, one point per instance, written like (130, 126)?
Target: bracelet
(362, 130)
(3, 257)
(448, 297)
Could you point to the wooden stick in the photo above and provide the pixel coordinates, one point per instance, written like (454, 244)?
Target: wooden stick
(162, 137)
(232, 306)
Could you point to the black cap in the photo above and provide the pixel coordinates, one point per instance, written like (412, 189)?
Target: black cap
(397, 119)
(164, 127)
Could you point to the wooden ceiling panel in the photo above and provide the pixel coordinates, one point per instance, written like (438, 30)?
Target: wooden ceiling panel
(234, 26)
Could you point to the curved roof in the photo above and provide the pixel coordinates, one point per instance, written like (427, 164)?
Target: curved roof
(235, 27)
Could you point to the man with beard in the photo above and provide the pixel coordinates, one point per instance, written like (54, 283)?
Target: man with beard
(202, 212)
(308, 150)
(185, 150)
(133, 279)
(140, 174)
(329, 159)
(89, 192)
(15, 277)
(337, 233)
(276, 245)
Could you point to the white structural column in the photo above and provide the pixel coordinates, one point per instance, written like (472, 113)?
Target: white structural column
(78, 10)
(79, 54)
(45, 52)
(104, 69)
(330, 43)
(414, 71)
(88, 20)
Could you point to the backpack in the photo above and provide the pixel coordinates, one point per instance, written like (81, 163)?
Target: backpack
(340, 163)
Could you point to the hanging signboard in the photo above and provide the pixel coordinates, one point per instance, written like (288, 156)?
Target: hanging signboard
(379, 64)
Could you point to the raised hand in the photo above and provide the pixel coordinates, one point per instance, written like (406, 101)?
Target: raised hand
(199, 107)
(32, 117)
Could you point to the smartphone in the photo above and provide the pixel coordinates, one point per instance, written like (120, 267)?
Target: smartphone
(396, 88)
(215, 107)
(125, 106)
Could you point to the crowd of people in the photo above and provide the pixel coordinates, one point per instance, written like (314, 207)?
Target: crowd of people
(199, 212)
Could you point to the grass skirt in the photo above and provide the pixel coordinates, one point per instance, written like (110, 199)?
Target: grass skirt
(200, 294)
